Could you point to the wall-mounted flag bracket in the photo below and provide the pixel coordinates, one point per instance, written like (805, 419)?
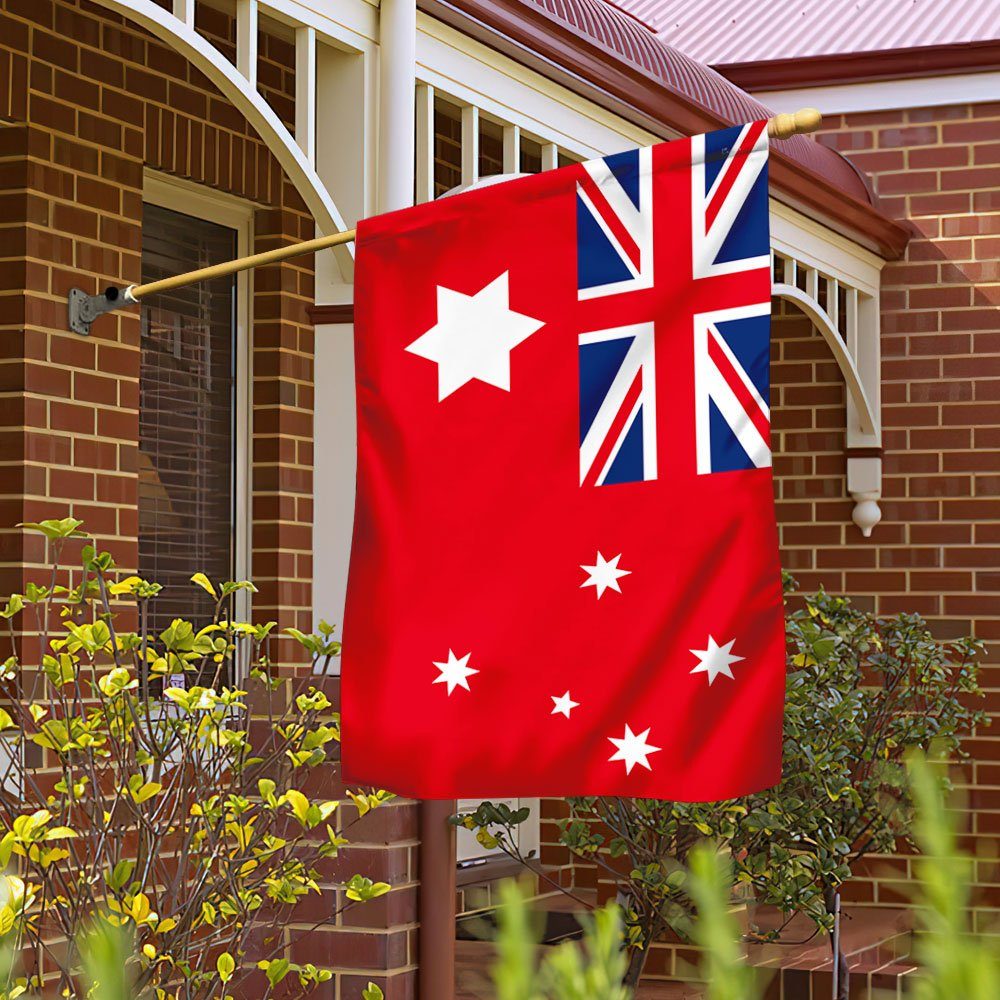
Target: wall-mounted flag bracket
(84, 308)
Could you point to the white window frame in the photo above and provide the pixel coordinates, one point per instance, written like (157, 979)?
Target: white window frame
(527, 835)
(235, 213)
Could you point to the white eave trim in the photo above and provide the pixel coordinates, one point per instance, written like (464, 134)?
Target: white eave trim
(888, 95)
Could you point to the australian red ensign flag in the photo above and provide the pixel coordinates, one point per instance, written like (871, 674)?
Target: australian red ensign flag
(564, 577)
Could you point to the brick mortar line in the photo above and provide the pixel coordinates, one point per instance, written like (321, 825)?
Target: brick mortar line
(53, 199)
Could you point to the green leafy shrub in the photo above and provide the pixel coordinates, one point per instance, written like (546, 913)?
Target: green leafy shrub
(157, 783)
(863, 691)
(716, 932)
(955, 960)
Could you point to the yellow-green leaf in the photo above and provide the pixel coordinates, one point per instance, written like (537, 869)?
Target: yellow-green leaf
(203, 581)
(299, 804)
(146, 792)
(226, 966)
(60, 833)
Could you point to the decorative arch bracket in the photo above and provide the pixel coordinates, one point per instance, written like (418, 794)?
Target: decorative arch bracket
(239, 84)
(835, 283)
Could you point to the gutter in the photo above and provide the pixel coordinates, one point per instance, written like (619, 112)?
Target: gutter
(550, 46)
(863, 67)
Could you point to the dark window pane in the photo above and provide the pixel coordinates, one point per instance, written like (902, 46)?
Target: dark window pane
(186, 416)
(490, 148)
(531, 156)
(447, 147)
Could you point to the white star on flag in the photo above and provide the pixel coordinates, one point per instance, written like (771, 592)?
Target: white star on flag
(604, 574)
(633, 750)
(455, 672)
(715, 660)
(473, 336)
(565, 704)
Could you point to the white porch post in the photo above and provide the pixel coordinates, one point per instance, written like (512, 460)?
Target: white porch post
(396, 103)
(246, 39)
(305, 91)
(864, 450)
(425, 143)
(396, 182)
(184, 9)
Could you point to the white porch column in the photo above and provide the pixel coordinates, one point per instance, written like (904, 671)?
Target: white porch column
(397, 124)
(396, 103)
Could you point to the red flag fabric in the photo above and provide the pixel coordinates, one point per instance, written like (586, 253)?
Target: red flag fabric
(564, 577)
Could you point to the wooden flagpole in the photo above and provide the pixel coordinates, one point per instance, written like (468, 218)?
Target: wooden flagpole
(135, 292)
(782, 126)
(786, 125)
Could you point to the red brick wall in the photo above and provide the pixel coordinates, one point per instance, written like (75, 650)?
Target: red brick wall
(92, 101)
(102, 101)
(937, 550)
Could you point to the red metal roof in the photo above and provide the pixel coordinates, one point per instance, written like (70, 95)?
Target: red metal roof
(631, 40)
(607, 55)
(739, 31)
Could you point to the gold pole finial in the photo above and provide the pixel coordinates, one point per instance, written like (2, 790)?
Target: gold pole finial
(786, 125)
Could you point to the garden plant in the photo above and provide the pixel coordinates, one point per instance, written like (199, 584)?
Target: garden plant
(161, 784)
(956, 961)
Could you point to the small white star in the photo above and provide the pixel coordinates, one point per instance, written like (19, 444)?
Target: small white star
(604, 574)
(633, 750)
(455, 672)
(565, 704)
(715, 660)
(473, 336)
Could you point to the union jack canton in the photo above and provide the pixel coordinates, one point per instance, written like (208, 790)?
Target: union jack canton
(618, 228)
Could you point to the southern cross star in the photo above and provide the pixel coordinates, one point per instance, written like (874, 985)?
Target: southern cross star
(604, 575)
(633, 750)
(473, 336)
(563, 705)
(455, 672)
(715, 660)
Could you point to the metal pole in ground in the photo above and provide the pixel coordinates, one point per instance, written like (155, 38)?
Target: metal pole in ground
(836, 947)
(437, 900)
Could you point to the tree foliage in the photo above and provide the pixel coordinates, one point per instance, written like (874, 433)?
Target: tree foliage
(862, 692)
(957, 959)
(160, 784)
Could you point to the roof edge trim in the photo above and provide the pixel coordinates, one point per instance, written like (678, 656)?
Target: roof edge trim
(863, 67)
(527, 34)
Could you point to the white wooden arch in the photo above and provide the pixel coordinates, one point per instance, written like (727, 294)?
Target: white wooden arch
(838, 348)
(238, 83)
(835, 284)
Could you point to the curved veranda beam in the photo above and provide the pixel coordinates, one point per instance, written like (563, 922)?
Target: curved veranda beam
(864, 472)
(244, 96)
(848, 368)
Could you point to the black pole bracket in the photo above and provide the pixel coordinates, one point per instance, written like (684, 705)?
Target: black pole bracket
(84, 308)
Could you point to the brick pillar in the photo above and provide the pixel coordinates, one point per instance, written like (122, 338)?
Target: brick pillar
(72, 217)
(282, 471)
(20, 282)
(384, 845)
